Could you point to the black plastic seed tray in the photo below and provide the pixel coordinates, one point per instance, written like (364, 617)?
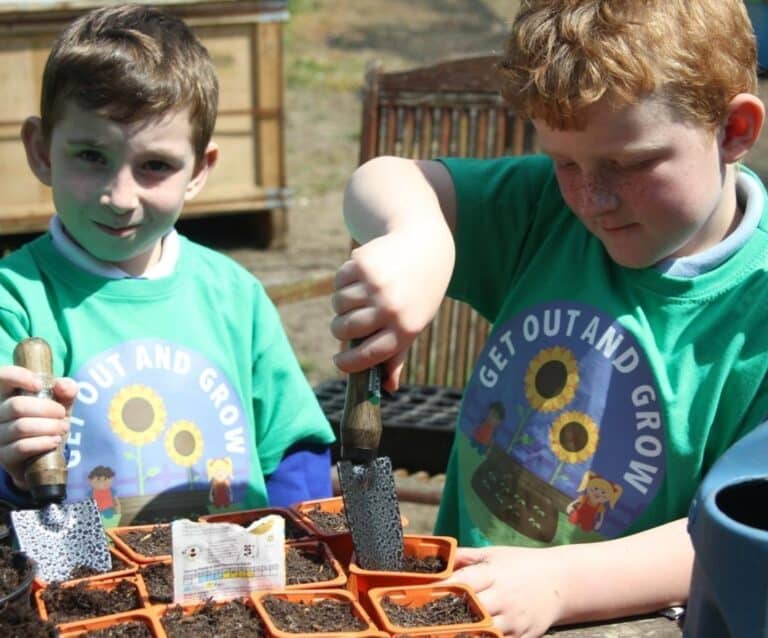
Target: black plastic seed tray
(418, 423)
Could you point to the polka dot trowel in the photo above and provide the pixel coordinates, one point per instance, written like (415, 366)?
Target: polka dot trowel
(366, 481)
(59, 536)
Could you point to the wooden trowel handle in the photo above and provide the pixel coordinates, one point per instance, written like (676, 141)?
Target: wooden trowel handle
(360, 426)
(45, 474)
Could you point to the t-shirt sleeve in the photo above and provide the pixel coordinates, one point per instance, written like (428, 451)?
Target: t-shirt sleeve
(496, 205)
(286, 410)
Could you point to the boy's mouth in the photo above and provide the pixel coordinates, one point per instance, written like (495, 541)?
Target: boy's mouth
(121, 231)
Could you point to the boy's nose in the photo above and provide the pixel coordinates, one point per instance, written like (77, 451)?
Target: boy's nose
(121, 194)
(598, 199)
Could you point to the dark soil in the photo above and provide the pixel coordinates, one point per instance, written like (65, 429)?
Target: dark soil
(15, 568)
(65, 604)
(85, 571)
(155, 542)
(312, 618)
(328, 522)
(158, 577)
(24, 622)
(303, 565)
(451, 609)
(132, 629)
(233, 619)
(426, 565)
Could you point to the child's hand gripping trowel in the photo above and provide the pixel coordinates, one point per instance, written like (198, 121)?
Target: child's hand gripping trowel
(59, 537)
(367, 484)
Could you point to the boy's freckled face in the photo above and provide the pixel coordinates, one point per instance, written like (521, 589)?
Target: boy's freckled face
(647, 185)
(118, 188)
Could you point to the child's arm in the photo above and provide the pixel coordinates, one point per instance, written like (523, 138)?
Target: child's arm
(404, 213)
(28, 425)
(529, 590)
(304, 474)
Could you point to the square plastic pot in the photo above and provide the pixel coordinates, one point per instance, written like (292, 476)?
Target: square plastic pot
(106, 584)
(360, 581)
(309, 597)
(143, 616)
(189, 609)
(117, 536)
(340, 541)
(323, 551)
(418, 596)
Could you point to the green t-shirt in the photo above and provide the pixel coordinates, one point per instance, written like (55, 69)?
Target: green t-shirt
(603, 394)
(189, 390)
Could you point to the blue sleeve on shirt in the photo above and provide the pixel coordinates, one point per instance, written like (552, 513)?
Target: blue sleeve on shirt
(304, 473)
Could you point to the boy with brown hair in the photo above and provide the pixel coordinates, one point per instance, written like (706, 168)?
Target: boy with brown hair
(175, 354)
(625, 273)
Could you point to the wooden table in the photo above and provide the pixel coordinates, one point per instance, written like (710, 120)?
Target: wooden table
(642, 627)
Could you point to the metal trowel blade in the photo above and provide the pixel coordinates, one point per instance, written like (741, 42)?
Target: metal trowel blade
(63, 537)
(373, 513)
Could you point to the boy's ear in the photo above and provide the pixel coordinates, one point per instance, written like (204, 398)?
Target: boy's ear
(742, 126)
(38, 151)
(210, 157)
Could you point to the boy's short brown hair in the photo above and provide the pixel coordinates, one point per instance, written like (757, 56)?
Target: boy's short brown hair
(564, 55)
(127, 63)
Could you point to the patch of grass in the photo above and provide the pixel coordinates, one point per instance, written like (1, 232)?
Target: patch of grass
(302, 6)
(305, 71)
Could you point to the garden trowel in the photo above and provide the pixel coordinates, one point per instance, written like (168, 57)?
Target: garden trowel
(60, 537)
(366, 480)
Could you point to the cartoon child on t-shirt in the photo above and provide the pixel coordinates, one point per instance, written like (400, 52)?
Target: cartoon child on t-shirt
(100, 478)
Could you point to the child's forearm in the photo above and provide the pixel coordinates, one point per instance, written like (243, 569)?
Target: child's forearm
(633, 575)
(390, 194)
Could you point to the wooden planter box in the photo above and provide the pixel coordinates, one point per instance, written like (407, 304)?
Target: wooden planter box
(244, 38)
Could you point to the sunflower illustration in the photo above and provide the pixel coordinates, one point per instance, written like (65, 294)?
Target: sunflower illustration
(137, 414)
(552, 379)
(184, 443)
(573, 437)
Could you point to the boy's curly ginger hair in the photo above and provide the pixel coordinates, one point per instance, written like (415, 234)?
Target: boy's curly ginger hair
(128, 63)
(564, 55)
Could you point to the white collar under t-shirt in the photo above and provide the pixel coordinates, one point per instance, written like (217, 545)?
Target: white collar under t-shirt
(74, 253)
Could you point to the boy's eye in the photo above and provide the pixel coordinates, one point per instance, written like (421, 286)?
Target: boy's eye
(156, 166)
(91, 157)
(565, 166)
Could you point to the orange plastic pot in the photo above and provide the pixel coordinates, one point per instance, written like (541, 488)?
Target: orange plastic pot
(129, 569)
(188, 609)
(360, 581)
(488, 632)
(323, 552)
(106, 584)
(246, 517)
(309, 597)
(117, 535)
(143, 616)
(339, 541)
(420, 595)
